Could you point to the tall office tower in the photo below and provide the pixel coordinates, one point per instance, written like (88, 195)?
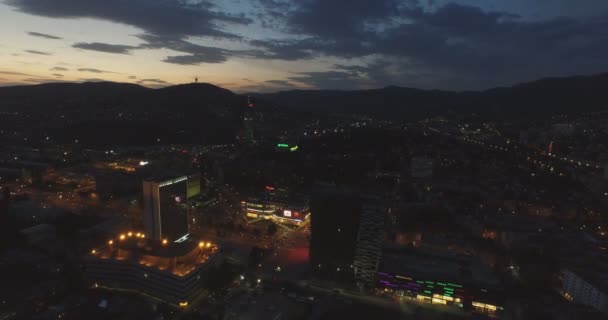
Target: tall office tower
(166, 209)
(370, 236)
(335, 217)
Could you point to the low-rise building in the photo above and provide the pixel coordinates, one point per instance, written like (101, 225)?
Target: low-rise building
(172, 272)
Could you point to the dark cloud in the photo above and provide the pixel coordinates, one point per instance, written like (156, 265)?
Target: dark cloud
(59, 69)
(196, 54)
(93, 70)
(279, 82)
(212, 57)
(453, 46)
(153, 83)
(43, 53)
(160, 17)
(157, 81)
(12, 73)
(58, 75)
(43, 35)
(92, 80)
(104, 47)
(41, 80)
(132, 77)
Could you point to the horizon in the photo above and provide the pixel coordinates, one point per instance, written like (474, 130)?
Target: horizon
(270, 46)
(298, 89)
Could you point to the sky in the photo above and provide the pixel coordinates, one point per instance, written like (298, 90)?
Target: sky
(274, 45)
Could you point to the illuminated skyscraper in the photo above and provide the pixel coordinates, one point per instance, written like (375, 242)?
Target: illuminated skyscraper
(166, 208)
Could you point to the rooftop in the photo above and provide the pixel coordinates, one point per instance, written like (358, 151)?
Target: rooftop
(177, 258)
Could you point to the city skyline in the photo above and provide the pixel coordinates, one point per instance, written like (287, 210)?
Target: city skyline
(271, 45)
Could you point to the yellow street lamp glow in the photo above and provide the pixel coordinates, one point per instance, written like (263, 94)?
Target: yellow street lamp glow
(201, 244)
(111, 242)
(208, 244)
(165, 241)
(183, 304)
(130, 234)
(93, 251)
(122, 237)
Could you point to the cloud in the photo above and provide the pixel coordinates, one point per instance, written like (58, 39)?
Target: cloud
(157, 81)
(132, 77)
(92, 80)
(279, 82)
(159, 17)
(195, 59)
(43, 35)
(59, 69)
(153, 83)
(38, 52)
(452, 46)
(166, 24)
(104, 47)
(93, 70)
(58, 75)
(196, 54)
(42, 80)
(12, 73)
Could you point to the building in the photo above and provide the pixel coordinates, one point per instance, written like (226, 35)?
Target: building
(445, 279)
(292, 214)
(585, 289)
(121, 178)
(370, 237)
(334, 225)
(166, 207)
(172, 272)
(40, 235)
(261, 208)
(266, 204)
(422, 167)
(347, 232)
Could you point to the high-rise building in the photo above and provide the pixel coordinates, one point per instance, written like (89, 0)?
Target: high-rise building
(334, 223)
(346, 235)
(585, 288)
(166, 208)
(370, 236)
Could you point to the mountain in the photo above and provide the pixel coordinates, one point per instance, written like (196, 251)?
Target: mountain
(537, 98)
(118, 113)
(55, 96)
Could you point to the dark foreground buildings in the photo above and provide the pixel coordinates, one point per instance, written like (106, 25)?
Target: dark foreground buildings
(346, 235)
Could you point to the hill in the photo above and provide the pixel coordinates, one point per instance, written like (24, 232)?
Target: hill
(538, 98)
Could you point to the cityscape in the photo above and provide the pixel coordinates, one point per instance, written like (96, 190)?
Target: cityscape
(253, 179)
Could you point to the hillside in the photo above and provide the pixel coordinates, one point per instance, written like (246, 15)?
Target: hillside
(545, 96)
